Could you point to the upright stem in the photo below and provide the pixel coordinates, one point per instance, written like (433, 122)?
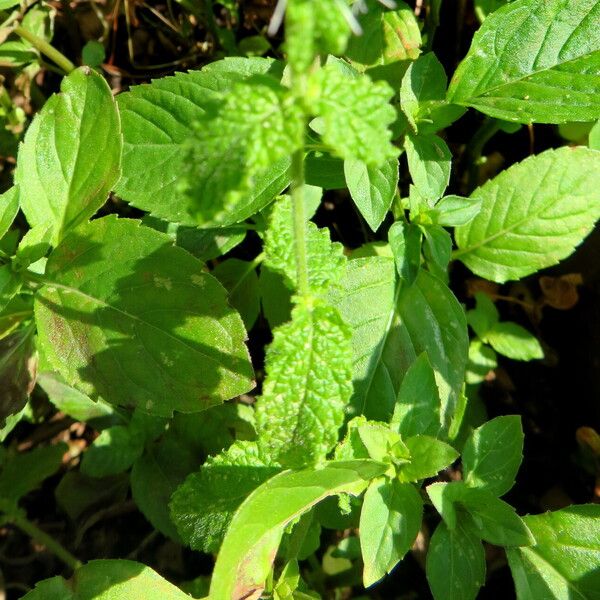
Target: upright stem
(46, 540)
(299, 220)
(298, 85)
(45, 48)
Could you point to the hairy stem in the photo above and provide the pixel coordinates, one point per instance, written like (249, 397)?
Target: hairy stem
(46, 540)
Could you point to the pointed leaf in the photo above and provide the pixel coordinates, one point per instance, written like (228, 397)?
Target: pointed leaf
(428, 457)
(108, 580)
(429, 162)
(18, 370)
(372, 188)
(390, 520)
(455, 564)
(533, 215)
(565, 562)
(493, 453)
(417, 409)
(391, 325)
(534, 61)
(9, 207)
(23, 472)
(203, 505)
(249, 548)
(71, 155)
(514, 341)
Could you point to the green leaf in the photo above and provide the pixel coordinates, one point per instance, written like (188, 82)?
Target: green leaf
(325, 260)
(484, 316)
(381, 443)
(203, 505)
(386, 37)
(10, 284)
(389, 523)
(484, 7)
(423, 96)
(514, 341)
(71, 401)
(455, 564)
(594, 136)
(324, 171)
(23, 472)
(6, 4)
(565, 562)
(34, 245)
(275, 296)
(112, 452)
(533, 214)
(233, 146)
(19, 309)
(157, 124)
(9, 207)
(356, 116)
(241, 281)
(108, 580)
(212, 430)
(248, 550)
(156, 475)
(78, 495)
(492, 455)
(452, 211)
(437, 247)
(417, 410)
(205, 244)
(534, 61)
(391, 325)
(388, 42)
(428, 457)
(405, 242)
(121, 294)
(482, 360)
(429, 162)
(93, 53)
(372, 188)
(307, 386)
(62, 176)
(442, 496)
(314, 28)
(18, 367)
(492, 519)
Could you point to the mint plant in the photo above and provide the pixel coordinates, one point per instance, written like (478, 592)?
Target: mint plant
(139, 325)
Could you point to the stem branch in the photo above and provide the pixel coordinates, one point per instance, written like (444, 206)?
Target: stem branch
(45, 48)
(46, 540)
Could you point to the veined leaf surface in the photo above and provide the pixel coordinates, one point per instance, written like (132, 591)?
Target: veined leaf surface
(157, 123)
(71, 156)
(249, 547)
(391, 325)
(534, 61)
(134, 320)
(307, 387)
(532, 215)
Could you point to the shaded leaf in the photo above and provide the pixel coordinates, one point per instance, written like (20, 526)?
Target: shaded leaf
(121, 294)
